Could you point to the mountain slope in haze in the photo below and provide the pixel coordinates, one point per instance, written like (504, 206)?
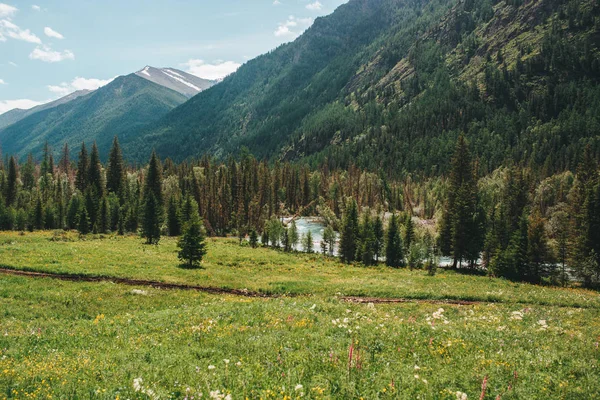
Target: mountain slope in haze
(118, 108)
(12, 116)
(391, 84)
(174, 79)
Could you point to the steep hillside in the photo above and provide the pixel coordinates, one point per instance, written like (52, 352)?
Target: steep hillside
(118, 108)
(12, 116)
(174, 79)
(391, 83)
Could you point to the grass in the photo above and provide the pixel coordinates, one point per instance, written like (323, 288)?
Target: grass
(229, 265)
(102, 340)
(94, 340)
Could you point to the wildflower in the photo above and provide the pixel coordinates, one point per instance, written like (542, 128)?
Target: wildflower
(139, 292)
(137, 384)
(298, 387)
(417, 368)
(516, 315)
(313, 307)
(226, 361)
(211, 367)
(461, 396)
(239, 363)
(417, 376)
(543, 324)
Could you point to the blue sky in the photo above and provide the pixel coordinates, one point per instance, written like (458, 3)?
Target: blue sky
(51, 48)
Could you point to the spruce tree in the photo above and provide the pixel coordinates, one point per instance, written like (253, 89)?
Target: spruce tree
(293, 235)
(10, 192)
(95, 172)
(173, 218)
(104, 216)
(350, 231)
(153, 203)
(38, 215)
(394, 256)
(329, 237)
(84, 221)
(409, 232)
(192, 243)
(253, 238)
(379, 233)
(115, 172)
(81, 179)
(151, 219)
(307, 242)
(65, 161)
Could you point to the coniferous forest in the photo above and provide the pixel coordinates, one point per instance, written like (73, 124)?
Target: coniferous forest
(510, 223)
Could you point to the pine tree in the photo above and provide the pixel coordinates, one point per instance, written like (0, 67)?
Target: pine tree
(537, 251)
(65, 161)
(365, 250)
(10, 192)
(153, 203)
(95, 172)
(81, 179)
(394, 256)
(253, 238)
(104, 216)
(173, 218)
(458, 233)
(153, 182)
(329, 237)
(293, 234)
(115, 172)
(192, 243)
(73, 210)
(27, 173)
(350, 232)
(38, 215)
(151, 219)
(84, 221)
(307, 242)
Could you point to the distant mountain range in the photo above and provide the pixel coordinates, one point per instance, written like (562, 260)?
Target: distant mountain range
(119, 108)
(386, 85)
(12, 116)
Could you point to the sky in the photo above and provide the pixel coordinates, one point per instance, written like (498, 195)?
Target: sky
(49, 49)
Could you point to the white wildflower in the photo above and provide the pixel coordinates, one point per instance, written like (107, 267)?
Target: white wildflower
(211, 367)
(226, 361)
(139, 292)
(461, 396)
(298, 387)
(417, 368)
(137, 384)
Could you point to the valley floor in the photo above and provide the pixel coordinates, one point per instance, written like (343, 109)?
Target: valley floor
(61, 339)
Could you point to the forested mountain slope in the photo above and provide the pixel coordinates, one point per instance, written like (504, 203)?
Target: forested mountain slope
(118, 108)
(391, 83)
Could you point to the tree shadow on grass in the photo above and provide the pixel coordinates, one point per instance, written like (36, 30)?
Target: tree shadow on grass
(190, 267)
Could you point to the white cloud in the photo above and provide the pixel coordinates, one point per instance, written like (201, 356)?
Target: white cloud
(13, 64)
(36, 8)
(2, 82)
(46, 54)
(218, 70)
(52, 33)
(276, 3)
(7, 105)
(8, 29)
(78, 83)
(293, 27)
(316, 6)
(7, 11)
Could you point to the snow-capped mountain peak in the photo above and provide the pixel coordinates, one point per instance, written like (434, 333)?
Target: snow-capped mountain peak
(176, 80)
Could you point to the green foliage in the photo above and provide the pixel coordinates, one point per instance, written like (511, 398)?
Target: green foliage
(192, 242)
(394, 256)
(349, 232)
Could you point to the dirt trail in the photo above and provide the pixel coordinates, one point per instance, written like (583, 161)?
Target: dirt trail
(248, 293)
(133, 282)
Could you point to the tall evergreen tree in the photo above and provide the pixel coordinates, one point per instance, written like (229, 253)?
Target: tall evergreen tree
(173, 218)
(84, 221)
(461, 207)
(65, 161)
(151, 219)
(192, 243)
(10, 192)
(115, 172)
(95, 172)
(394, 256)
(81, 179)
(350, 231)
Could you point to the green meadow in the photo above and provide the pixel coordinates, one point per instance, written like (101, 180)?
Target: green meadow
(101, 340)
